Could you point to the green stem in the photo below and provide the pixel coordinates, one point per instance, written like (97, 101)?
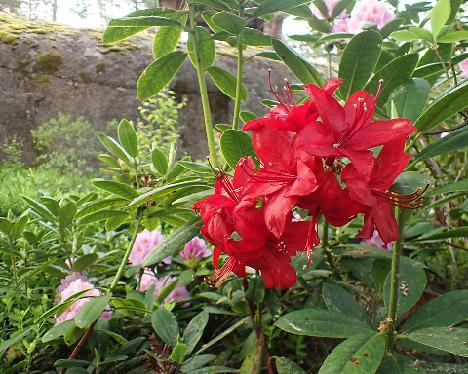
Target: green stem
(240, 67)
(118, 275)
(395, 278)
(203, 90)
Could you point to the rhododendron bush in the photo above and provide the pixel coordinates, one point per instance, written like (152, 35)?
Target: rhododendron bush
(324, 235)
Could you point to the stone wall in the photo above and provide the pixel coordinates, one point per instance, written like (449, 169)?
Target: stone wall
(47, 69)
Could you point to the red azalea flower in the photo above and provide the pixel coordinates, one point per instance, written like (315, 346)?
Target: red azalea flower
(282, 179)
(349, 131)
(372, 191)
(287, 115)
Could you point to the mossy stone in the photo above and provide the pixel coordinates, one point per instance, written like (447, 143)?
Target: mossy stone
(49, 62)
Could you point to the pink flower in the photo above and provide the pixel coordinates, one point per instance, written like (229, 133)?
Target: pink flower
(330, 6)
(146, 241)
(71, 285)
(195, 249)
(341, 24)
(148, 279)
(374, 12)
(376, 241)
(464, 68)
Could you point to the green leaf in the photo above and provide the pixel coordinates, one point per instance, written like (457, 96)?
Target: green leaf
(318, 24)
(459, 232)
(411, 284)
(118, 30)
(256, 38)
(393, 74)
(120, 189)
(206, 47)
(159, 74)
(455, 141)
(337, 299)
(439, 16)
(167, 37)
(443, 108)
(161, 192)
(246, 116)
(84, 262)
(194, 330)
(178, 353)
(58, 330)
(453, 37)
(422, 33)
(67, 363)
(303, 71)
(19, 226)
(252, 364)
(102, 215)
(114, 147)
(226, 82)
(391, 26)
(66, 214)
(340, 7)
(409, 181)
(272, 6)
(360, 354)
(40, 209)
(446, 310)
(286, 366)
(159, 161)
(216, 4)
(128, 137)
(321, 323)
(171, 244)
(460, 186)
(91, 311)
(165, 325)
(99, 205)
(196, 362)
(235, 144)
(358, 61)
(404, 36)
(410, 97)
(222, 335)
(450, 339)
(229, 22)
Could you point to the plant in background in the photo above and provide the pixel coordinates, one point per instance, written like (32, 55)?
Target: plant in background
(302, 177)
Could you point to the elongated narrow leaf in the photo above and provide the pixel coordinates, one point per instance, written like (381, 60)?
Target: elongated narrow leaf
(410, 97)
(459, 232)
(117, 188)
(257, 38)
(121, 29)
(174, 242)
(411, 284)
(160, 192)
(91, 311)
(271, 6)
(165, 325)
(286, 366)
(114, 147)
(84, 262)
(194, 330)
(446, 310)
(206, 47)
(453, 37)
(166, 39)
(322, 323)
(439, 16)
(443, 108)
(392, 74)
(66, 214)
(360, 354)
(128, 137)
(39, 209)
(102, 215)
(229, 22)
(226, 82)
(408, 181)
(358, 61)
(99, 205)
(303, 71)
(58, 330)
(235, 144)
(159, 74)
(337, 299)
(460, 186)
(216, 4)
(449, 339)
(455, 141)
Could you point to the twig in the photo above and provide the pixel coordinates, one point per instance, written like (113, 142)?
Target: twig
(82, 342)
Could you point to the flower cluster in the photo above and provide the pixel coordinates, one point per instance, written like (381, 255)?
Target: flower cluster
(71, 285)
(365, 12)
(145, 242)
(317, 156)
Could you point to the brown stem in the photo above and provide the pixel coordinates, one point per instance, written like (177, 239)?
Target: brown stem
(82, 342)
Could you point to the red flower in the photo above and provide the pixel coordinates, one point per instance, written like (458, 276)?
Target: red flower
(349, 131)
(372, 191)
(282, 179)
(287, 115)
